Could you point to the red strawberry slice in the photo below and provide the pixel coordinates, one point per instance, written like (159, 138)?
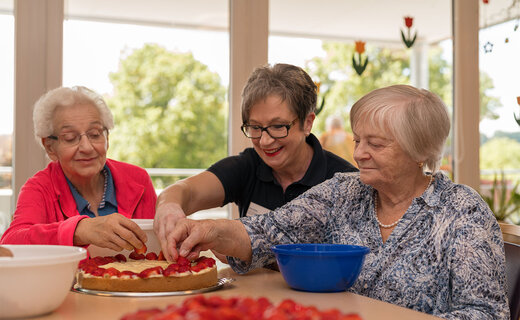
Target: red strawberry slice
(136, 256)
(120, 258)
(151, 272)
(110, 272)
(151, 256)
(183, 261)
(161, 256)
(142, 250)
(171, 270)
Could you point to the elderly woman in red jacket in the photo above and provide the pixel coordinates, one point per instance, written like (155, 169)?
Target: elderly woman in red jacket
(81, 197)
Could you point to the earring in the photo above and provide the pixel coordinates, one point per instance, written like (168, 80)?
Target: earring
(420, 164)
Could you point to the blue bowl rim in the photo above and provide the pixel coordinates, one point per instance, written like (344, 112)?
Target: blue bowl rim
(354, 250)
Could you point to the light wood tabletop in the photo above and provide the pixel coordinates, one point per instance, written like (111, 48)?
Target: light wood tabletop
(258, 283)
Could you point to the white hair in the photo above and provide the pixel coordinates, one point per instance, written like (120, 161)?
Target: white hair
(44, 108)
(416, 118)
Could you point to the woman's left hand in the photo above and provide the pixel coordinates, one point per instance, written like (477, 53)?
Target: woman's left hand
(113, 231)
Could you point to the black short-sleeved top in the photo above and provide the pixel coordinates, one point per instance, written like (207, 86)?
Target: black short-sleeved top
(249, 182)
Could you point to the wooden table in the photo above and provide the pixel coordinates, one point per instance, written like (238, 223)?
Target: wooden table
(262, 282)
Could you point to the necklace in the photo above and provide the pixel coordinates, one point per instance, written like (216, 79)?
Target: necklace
(388, 226)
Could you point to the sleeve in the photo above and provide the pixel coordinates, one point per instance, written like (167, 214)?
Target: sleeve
(477, 267)
(303, 220)
(235, 174)
(35, 222)
(146, 206)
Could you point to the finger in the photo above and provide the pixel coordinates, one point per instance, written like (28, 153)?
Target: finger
(161, 236)
(195, 253)
(130, 241)
(136, 231)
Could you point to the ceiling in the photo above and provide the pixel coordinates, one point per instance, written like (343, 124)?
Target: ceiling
(368, 20)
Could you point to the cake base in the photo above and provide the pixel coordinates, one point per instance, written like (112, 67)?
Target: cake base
(194, 281)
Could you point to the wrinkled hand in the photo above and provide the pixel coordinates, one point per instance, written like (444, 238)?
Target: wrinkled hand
(190, 237)
(166, 217)
(113, 231)
(222, 236)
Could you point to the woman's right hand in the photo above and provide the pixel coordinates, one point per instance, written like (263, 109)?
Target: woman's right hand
(113, 231)
(166, 217)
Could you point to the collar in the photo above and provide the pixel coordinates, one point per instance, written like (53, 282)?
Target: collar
(316, 172)
(108, 192)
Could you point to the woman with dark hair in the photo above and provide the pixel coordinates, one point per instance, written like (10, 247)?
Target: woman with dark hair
(435, 246)
(278, 104)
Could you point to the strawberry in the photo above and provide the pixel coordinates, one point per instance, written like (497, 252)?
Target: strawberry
(161, 256)
(120, 258)
(142, 250)
(151, 272)
(171, 270)
(136, 256)
(110, 272)
(183, 261)
(151, 256)
(98, 272)
(198, 267)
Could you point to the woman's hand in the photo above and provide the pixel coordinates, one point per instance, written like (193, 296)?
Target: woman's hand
(227, 237)
(113, 231)
(166, 217)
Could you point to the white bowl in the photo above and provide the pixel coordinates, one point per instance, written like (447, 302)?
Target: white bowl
(37, 278)
(152, 244)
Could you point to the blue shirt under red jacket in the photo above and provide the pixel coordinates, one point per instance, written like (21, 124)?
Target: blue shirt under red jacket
(46, 212)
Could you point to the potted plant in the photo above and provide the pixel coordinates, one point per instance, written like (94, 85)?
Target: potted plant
(504, 202)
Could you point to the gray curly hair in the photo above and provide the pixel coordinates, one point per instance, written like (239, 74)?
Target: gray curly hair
(44, 108)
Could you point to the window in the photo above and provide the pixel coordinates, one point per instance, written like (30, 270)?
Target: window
(163, 68)
(321, 37)
(6, 121)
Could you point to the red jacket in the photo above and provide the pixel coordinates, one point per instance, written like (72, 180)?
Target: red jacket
(46, 212)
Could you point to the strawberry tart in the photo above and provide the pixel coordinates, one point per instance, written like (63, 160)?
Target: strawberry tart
(146, 273)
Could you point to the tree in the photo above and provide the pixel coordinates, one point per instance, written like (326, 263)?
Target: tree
(169, 111)
(342, 86)
(492, 154)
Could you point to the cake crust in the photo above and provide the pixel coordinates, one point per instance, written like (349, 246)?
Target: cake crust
(194, 281)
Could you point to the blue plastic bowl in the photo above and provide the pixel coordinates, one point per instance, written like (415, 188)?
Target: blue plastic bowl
(320, 267)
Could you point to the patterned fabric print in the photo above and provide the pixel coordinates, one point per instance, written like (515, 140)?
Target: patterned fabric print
(445, 257)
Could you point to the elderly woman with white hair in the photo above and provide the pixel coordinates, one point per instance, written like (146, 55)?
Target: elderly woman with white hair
(434, 245)
(81, 197)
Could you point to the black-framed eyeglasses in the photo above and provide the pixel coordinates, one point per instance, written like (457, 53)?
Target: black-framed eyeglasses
(71, 139)
(275, 131)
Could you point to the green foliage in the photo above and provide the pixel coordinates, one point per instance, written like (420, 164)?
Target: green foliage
(343, 86)
(488, 104)
(503, 153)
(503, 202)
(170, 111)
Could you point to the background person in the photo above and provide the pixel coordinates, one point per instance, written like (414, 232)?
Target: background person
(81, 197)
(336, 140)
(435, 246)
(278, 105)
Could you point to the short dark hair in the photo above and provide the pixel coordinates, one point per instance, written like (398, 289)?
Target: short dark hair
(288, 82)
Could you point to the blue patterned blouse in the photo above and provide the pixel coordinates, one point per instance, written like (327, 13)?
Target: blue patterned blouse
(445, 257)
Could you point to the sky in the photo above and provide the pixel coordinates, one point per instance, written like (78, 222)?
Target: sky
(92, 50)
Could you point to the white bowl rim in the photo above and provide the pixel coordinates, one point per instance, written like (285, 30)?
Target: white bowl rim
(144, 224)
(69, 254)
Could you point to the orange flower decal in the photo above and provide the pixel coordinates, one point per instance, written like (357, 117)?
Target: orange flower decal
(360, 47)
(359, 65)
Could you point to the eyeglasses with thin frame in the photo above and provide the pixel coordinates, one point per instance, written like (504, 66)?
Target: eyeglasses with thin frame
(275, 131)
(71, 139)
